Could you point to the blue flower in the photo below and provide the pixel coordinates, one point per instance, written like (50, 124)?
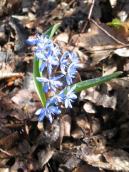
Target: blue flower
(67, 58)
(54, 62)
(43, 41)
(48, 112)
(73, 57)
(58, 98)
(64, 62)
(48, 53)
(71, 73)
(32, 41)
(50, 84)
(56, 50)
(42, 51)
(69, 97)
(49, 62)
(39, 40)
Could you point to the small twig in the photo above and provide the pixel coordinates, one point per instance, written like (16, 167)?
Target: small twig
(106, 47)
(88, 19)
(107, 33)
(89, 15)
(91, 9)
(5, 152)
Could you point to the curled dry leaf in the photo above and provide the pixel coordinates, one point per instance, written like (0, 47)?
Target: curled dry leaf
(45, 155)
(99, 98)
(83, 123)
(110, 159)
(89, 108)
(66, 125)
(77, 133)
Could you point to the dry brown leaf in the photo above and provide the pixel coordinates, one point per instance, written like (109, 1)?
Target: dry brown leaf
(62, 37)
(26, 100)
(45, 155)
(89, 108)
(7, 6)
(118, 159)
(100, 98)
(8, 108)
(86, 168)
(65, 125)
(9, 141)
(96, 39)
(107, 158)
(82, 122)
(77, 133)
(122, 89)
(97, 42)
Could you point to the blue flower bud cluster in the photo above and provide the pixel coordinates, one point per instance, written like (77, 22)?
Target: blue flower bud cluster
(59, 71)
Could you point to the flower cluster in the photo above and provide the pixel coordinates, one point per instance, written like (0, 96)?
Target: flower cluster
(58, 72)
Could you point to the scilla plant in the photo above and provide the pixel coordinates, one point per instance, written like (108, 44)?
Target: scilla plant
(54, 74)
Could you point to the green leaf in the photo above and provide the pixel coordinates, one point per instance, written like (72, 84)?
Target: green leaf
(94, 82)
(36, 65)
(115, 23)
(54, 29)
(38, 85)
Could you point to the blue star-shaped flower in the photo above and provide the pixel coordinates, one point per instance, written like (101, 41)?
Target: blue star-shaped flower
(64, 62)
(50, 84)
(39, 40)
(58, 98)
(69, 97)
(48, 112)
(71, 73)
(73, 57)
(49, 62)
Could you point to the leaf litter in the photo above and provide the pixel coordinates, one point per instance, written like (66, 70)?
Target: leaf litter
(93, 136)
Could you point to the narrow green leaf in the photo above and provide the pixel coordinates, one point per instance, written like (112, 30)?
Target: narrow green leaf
(54, 29)
(94, 82)
(51, 31)
(38, 85)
